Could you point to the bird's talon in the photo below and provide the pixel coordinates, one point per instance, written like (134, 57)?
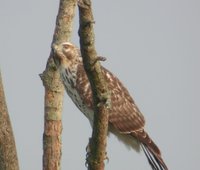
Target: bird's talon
(88, 153)
(106, 158)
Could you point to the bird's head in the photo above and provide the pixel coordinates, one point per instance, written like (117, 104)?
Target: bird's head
(66, 55)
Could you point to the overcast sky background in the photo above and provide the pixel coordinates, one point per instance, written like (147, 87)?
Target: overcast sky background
(153, 46)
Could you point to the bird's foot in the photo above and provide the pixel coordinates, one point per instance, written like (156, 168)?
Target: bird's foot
(89, 155)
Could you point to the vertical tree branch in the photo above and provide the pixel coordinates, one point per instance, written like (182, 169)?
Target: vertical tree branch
(54, 90)
(100, 91)
(8, 153)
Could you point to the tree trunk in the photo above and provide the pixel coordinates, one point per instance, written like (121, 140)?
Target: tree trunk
(54, 91)
(8, 153)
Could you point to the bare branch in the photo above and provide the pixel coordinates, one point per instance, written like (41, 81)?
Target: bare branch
(101, 95)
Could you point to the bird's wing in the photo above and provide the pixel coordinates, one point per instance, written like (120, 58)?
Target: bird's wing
(127, 118)
(124, 115)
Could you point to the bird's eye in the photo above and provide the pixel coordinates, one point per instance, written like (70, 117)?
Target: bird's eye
(68, 53)
(66, 46)
(68, 50)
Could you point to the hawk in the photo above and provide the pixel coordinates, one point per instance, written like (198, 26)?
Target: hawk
(125, 119)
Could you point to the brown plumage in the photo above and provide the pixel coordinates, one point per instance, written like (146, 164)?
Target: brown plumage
(125, 119)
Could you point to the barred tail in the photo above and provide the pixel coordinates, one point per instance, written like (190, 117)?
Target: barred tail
(154, 159)
(150, 149)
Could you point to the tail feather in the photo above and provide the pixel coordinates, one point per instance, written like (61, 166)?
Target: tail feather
(151, 151)
(155, 162)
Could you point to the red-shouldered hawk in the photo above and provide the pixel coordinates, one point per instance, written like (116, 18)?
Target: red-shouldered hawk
(125, 119)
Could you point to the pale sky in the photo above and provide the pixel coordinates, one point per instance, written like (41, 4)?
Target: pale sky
(153, 48)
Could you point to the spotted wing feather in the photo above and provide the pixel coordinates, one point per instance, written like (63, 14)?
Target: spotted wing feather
(124, 114)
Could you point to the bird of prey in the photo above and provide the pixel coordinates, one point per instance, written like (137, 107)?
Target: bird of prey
(125, 119)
